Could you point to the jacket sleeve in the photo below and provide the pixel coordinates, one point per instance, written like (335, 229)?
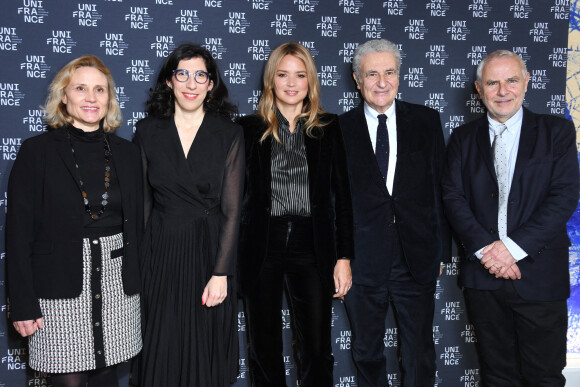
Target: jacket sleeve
(24, 188)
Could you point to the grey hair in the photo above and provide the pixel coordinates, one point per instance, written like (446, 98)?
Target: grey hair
(377, 45)
(497, 55)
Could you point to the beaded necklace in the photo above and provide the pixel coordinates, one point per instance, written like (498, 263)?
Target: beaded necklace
(105, 195)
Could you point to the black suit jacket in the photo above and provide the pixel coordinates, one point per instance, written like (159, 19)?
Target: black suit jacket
(330, 201)
(44, 222)
(543, 196)
(415, 201)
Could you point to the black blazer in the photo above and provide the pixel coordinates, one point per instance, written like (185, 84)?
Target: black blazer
(45, 220)
(330, 201)
(543, 196)
(415, 201)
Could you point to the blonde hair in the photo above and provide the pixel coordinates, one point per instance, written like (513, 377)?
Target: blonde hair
(311, 105)
(56, 114)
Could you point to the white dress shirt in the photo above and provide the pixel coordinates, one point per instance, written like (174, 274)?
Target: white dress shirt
(372, 124)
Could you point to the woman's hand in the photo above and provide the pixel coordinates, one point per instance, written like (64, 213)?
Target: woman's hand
(215, 291)
(342, 278)
(27, 327)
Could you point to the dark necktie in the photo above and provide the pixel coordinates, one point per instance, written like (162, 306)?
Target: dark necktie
(382, 146)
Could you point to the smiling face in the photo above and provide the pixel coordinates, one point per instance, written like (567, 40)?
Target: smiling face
(290, 83)
(87, 98)
(379, 79)
(503, 87)
(189, 95)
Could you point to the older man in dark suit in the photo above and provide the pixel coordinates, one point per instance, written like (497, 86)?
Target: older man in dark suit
(510, 185)
(395, 153)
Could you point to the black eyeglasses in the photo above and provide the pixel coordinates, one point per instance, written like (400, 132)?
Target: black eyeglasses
(199, 76)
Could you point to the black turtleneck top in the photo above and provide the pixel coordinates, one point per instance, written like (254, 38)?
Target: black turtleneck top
(90, 156)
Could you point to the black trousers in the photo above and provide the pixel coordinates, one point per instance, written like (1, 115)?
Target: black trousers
(291, 267)
(519, 342)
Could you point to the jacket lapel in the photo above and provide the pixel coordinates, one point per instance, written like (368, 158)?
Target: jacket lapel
(64, 151)
(312, 146)
(265, 157)
(484, 145)
(527, 140)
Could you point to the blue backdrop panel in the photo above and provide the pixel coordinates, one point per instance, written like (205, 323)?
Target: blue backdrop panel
(441, 41)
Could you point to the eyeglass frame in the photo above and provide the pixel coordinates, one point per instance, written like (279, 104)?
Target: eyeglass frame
(194, 76)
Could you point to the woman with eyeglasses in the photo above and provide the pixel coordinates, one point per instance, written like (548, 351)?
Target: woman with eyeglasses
(193, 158)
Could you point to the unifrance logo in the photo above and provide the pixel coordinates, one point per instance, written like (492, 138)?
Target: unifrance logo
(346, 381)
(451, 356)
(540, 32)
(437, 335)
(347, 51)
(452, 310)
(9, 41)
(138, 18)
(334, 316)
(122, 98)
(474, 104)
(349, 100)
(391, 337)
(416, 29)
(454, 122)
(261, 4)
(415, 77)
(479, 8)
(351, 6)
(10, 94)
(33, 11)
(35, 66)
(241, 321)
(437, 7)
(157, 2)
(188, 20)
(328, 26)
(521, 9)
(372, 28)
(560, 9)
(557, 104)
(439, 289)
(10, 147)
(114, 44)
(306, 5)
(286, 320)
(139, 70)
(61, 42)
(458, 30)
(87, 15)
(242, 368)
(215, 46)
(393, 379)
(499, 31)
(288, 364)
(476, 54)
(468, 334)
(539, 79)
(39, 379)
(15, 358)
(162, 45)
(522, 51)
(343, 340)
(457, 78)
(470, 378)
(3, 203)
(329, 75)
(437, 54)
(452, 268)
(236, 22)
(34, 120)
(135, 116)
(559, 56)
(213, 4)
(395, 7)
(311, 46)
(237, 73)
(283, 25)
(255, 98)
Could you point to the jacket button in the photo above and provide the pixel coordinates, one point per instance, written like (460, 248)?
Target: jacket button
(126, 220)
(492, 230)
(494, 195)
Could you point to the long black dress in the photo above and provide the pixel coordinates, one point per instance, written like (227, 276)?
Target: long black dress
(191, 234)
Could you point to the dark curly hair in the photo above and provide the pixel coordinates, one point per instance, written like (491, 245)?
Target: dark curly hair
(161, 102)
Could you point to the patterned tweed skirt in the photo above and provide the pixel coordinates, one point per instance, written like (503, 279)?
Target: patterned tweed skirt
(101, 327)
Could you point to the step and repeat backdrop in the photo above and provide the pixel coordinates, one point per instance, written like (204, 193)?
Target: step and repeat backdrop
(441, 42)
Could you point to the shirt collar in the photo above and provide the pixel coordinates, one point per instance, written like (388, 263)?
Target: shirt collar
(390, 113)
(513, 124)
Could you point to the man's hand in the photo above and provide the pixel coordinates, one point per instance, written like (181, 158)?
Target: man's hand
(342, 278)
(499, 262)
